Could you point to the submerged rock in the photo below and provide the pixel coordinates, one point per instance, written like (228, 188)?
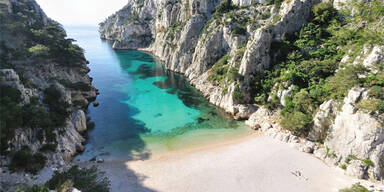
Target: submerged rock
(96, 104)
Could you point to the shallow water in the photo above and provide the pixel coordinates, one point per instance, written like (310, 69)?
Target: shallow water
(145, 109)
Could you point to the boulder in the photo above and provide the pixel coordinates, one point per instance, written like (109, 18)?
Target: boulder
(79, 120)
(308, 147)
(323, 120)
(96, 104)
(357, 169)
(265, 126)
(243, 111)
(258, 118)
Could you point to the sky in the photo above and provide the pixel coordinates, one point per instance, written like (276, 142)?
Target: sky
(80, 12)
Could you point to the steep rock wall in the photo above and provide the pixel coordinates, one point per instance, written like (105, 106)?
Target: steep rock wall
(190, 37)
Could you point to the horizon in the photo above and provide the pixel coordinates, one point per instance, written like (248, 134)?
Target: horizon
(80, 13)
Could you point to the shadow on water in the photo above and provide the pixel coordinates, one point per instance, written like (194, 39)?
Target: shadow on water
(143, 107)
(116, 135)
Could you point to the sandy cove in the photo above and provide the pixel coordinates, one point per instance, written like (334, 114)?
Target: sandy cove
(254, 163)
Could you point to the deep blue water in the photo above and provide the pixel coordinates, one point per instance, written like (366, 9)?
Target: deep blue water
(145, 109)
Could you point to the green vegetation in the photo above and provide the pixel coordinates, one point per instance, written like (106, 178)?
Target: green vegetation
(39, 50)
(376, 101)
(84, 179)
(57, 107)
(24, 160)
(224, 7)
(34, 188)
(175, 27)
(310, 58)
(42, 39)
(220, 69)
(277, 3)
(10, 114)
(32, 115)
(368, 162)
(355, 188)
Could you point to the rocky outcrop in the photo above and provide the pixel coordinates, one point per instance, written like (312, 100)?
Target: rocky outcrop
(353, 138)
(358, 134)
(38, 68)
(323, 120)
(79, 121)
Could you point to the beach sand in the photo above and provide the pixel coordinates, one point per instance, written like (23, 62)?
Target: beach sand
(255, 163)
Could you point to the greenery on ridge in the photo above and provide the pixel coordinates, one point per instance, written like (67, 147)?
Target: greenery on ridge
(41, 39)
(29, 39)
(31, 115)
(24, 160)
(310, 58)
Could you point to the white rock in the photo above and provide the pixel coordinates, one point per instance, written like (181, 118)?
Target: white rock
(357, 133)
(79, 120)
(357, 169)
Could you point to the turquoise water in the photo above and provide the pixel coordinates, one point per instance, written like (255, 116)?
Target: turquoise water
(145, 109)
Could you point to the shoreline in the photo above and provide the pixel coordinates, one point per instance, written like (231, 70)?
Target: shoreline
(257, 159)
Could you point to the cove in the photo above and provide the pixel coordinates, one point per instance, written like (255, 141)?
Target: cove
(144, 108)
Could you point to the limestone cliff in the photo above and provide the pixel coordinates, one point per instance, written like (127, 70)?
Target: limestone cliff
(300, 58)
(49, 74)
(192, 36)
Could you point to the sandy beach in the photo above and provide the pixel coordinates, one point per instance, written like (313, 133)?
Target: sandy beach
(255, 163)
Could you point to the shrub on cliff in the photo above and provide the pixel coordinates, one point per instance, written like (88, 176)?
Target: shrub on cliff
(25, 160)
(84, 179)
(224, 7)
(34, 188)
(355, 188)
(323, 13)
(39, 50)
(10, 114)
(57, 107)
(297, 122)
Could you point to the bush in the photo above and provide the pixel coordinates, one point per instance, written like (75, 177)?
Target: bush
(371, 105)
(219, 70)
(344, 80)
(224, 7)
(323, 13)
(239, 31)
(237, 96)
(297, 122)
(84, 179)
(35, 116)
(39, 50)
(57, 107)
(10, 115)
(368, 162)
(34, 188)
(24, 160)
(355, 188)
(49, 147)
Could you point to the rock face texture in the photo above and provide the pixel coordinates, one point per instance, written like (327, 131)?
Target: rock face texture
(358, 134)
(223, 50)
(323, 120)
(190, 37)
(29, 63)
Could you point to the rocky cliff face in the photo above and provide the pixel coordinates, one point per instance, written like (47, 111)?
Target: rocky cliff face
(192, 36)
(222, 49)
(36, 55)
